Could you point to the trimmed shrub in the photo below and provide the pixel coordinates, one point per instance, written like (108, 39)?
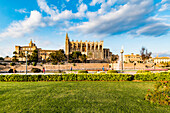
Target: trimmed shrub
(142, 71)
(82, 71)
(161, 94)
(11, 71)
(112, 71)
(35, 70)
(68, 77)
(12, 64)
(34, 63)
(152, 76)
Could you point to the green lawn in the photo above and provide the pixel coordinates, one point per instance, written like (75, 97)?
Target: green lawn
(77, 97)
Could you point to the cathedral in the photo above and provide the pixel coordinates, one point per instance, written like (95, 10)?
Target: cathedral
(93, 50)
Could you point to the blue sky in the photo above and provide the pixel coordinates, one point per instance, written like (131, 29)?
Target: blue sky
(132, 24)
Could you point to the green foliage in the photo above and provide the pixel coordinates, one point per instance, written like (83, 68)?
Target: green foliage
(114, 57)
(35, 70)
(77, 57)
(82, 71)
(161, 94)
(152, 76)
(74, 64)
(12, 71)
(67, 77)
(97, 77)
(34, 56)
(14, 52)
(57, 56)
(112, 71)
(142, 71)
(83, 58)
(34, 63)
(12, 64)
(1, 58)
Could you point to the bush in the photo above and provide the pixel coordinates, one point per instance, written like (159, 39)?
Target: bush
(161, 94)
(68, 77)
(12, 64)
(142, 71)
(82, 71)
(34, 63)
(35, 70)
(11, 71)
(152, 76)
(74, 64)
(112, 71)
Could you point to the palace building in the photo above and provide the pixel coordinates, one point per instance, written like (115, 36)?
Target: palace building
(161, 59)
(93, 50)
(132, 58)
(42, 54)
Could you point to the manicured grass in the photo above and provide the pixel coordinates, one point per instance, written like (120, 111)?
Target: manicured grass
(75, 96)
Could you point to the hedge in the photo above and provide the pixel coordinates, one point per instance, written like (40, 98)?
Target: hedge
(88, 77)
(165, 76)
(67, 77)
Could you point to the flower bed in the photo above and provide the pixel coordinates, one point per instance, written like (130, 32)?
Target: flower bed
(161, 94)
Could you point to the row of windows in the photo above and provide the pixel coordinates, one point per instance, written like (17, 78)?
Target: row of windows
(25, 48)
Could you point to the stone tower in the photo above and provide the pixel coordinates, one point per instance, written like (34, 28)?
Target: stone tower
(67, 50)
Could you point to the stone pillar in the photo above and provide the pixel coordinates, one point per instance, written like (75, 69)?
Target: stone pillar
(86, 47)
(80, 45)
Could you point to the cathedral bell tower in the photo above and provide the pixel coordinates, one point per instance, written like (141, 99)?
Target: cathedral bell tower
(67, 50)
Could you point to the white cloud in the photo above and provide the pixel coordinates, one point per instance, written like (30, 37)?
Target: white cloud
(154, 29)
(55, 16)
(106, 6)
(81, 10)
(44, 7)
(165, 7)
(21, 10)
(67, 0)
(94, 2)
(80, 1)
(162, 54)
(127, 17)
(163, 1)
(20, 28)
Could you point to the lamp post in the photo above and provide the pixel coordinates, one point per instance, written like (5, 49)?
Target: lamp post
(122, 51)
(26, 52)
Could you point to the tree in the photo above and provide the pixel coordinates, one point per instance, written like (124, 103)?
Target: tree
(14, 58)
(83, 58)
(145, 54)
(114, 58)
(1, 58)
(34, 56)
(57, 56)
(76, 55)
(15, 52)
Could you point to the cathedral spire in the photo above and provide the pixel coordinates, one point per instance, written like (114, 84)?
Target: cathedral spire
(67, 36)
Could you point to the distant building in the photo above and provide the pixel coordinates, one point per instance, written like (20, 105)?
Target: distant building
(42, 54)
(93, 50)
(161, 59)
(132, 58)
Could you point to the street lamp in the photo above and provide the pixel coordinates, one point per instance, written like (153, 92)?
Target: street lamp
(122, 51)
(26, 52)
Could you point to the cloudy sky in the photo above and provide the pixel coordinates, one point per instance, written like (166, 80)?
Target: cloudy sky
(128, 23)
